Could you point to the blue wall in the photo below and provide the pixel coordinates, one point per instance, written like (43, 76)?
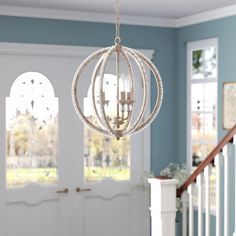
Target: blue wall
(162, 40)
(168, 132)
(224, 30)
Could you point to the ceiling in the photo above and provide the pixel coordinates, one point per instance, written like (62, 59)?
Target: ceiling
(146, 8)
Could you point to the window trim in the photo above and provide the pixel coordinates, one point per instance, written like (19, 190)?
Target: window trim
(191, 46)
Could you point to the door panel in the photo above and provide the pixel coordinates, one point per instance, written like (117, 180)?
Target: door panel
(115, 205)
(37, 208)
(99, 211)
(112, 207)
(28, 225)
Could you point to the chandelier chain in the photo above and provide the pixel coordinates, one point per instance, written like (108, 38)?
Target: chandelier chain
(118, 113)
(117, 39)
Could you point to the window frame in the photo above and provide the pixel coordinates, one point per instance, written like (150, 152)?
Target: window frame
(49, 91)
(193, 46)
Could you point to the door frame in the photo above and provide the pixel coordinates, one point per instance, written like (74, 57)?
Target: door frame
(71, 51)
(60, 51)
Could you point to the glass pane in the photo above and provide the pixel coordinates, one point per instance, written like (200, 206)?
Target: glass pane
(31, 131)
(210, 127)
(203, 127)
(210, 97)
(105, 157)
(200, 152)
(197, 131)
(204, 97)
(204, 63)
(197, 97)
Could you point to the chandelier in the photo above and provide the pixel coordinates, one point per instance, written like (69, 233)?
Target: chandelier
(116, 108)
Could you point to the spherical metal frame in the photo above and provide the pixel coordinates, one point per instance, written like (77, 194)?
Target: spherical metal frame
(142, 63)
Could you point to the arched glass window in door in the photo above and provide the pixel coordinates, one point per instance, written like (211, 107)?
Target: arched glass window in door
(31, 131)
(105, 157)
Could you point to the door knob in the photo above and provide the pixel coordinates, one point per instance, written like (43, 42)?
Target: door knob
(66, 190)
(78, 190)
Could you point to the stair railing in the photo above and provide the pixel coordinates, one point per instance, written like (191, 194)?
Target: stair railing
(220, 158)
(163, 195)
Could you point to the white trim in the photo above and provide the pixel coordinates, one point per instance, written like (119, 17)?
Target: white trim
(195, 45)
(200, 44)
(45, 13)
(146, 140)
(205, 112)
(206, 16)
(84, 16)
(55, 50)
(188, 109)
(206, 80)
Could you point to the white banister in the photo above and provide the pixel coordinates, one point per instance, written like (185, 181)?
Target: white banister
(163, 206)
(207, 174)
(226, 190)
(218, 163)
(223, 158)
(200, 203)
(184, 200)
(191, 210)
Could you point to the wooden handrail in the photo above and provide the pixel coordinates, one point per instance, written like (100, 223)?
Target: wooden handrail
(210, 159)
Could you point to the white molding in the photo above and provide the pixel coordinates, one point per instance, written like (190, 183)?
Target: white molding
(6, 10)
(83, 16)
(188, 109)
(206, 16)
(205, 43)
(55, 50)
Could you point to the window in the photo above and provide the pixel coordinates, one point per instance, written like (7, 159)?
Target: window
(31, 131)
(105, 157)
(202, 69)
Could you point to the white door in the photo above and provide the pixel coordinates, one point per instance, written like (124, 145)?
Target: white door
(30, 181)
(56, 183)
(106, 206)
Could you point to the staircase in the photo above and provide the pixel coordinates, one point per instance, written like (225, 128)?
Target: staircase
(197, 186)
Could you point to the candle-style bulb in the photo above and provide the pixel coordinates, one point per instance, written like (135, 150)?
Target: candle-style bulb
(128, 83)
(122, 81)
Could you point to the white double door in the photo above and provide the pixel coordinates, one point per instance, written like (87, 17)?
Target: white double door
(101, 208)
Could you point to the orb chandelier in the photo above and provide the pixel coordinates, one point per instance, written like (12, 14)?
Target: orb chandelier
(117, 109)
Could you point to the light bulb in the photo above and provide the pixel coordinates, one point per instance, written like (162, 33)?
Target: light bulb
(125, 83)
(128, 83)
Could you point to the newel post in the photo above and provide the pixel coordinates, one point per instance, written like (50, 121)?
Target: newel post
(163, 206)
